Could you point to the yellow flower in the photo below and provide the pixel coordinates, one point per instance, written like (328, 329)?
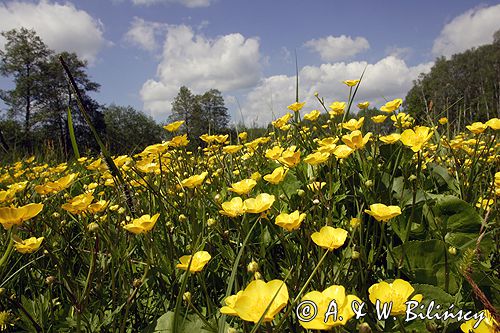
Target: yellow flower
(391, 138)
(274, 153)
(296, 107)
(392, 105)
(7, 196)
(78, 204)
(142, 224)
(195, 180)
(355, 139)
(484, 203)
(29, 245)
(487, 325)
(233, 208)
(179, 141)
(243, 136)
(230, 302)
(200, 259)
(316, 186)
(443, 120)
(477, 127)
(494, 124)
(355, 222)
(396, 292)
(322, 301)
(259, 204)
(280, 122)
(232, 149)
(243, 187)
(336, 108)
(363, 105)
(276, 176)
(290, 157)
(172, 127)
(291, 221)
(382, 212)
(329, 238)
(416, 138)
(97, 207)
(312, 116)
(342, 151)
(256, 176)
(351, 83)
(379, 119)
(10, 216)
(354, 124)
(251, 303)
(316, 158)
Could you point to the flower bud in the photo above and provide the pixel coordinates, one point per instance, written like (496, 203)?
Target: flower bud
(452, 250)
(93, 227)
(253, 267)
(211, 222)
(121, 210)
(316, 202)
(50, 280)
(137, 283)
(301, 193)
(364, 328)
(412, 178)
(182, 218)
(257, 276)
(186, 297)
(369, 183)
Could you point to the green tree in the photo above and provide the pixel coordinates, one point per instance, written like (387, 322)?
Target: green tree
(204, 113)
(24, 53)
(124, 123)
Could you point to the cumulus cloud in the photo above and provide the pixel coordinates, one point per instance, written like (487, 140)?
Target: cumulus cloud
(144, 34)
(388, 78)
(473, 28)
(187, 3)
(227, 63)
(62, 27)
(338, 48)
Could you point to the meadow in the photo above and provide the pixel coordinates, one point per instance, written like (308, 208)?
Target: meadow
(236, 235)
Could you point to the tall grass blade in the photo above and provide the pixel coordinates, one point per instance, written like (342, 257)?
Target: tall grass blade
(72, 134)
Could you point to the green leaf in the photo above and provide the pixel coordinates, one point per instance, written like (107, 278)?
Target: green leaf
(165, 324)
(72, 134)
(443, 178)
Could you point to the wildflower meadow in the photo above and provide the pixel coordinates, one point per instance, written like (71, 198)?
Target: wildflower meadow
(324, 223)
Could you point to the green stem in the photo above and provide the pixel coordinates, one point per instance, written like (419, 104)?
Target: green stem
(8, 251)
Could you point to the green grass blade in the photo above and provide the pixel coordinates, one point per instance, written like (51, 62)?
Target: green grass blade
(72, 134)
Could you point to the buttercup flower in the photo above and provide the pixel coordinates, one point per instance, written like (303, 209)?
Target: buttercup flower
(173, 127)
(179, 141)
(312, 116)
(251, 303)
(363, 105)
(194, 181)
(233, 208)
(382, 212)
(59, 185)
(259, 204)
(323, 300)
(243, 187)
(493, 123)
(29, 245)
(78, 204)
(329, 238)
(291, 221)
(397, 292)
(316, 158)
(231, 149)
(342, 151)
(200, 259)
(392, 105)
(336, 108)
(443, 120)
(487, 325)
(355, 139)
(378, 119)
(10, 216)
(296, 107)
(416, 138)
(290, 157)
(276, 176)
(477, 127)
(351, 83)
(280, 122)
(142, 224)
(391, 138)
(354, 124)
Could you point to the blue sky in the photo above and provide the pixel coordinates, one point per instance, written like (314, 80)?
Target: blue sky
(142, 51)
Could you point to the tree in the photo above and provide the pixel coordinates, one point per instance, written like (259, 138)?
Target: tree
(22, 58)
(204, 113)
(123, 123)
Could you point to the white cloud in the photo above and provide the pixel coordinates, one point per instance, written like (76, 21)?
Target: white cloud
(187, 3)
(338, 48)
(227, 63)
(144, 33)
(473, 28)
(389, 78)
(62, 27)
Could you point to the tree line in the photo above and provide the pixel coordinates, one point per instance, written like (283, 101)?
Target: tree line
(464, 88)
(35, 116)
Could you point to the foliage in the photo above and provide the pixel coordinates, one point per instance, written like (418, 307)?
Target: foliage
(213, 243)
